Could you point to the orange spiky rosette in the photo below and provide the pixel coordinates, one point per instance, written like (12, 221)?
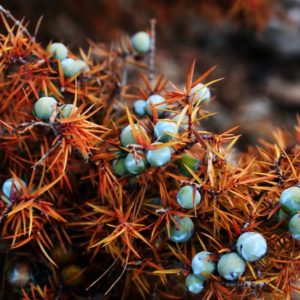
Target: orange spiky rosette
(92, 213)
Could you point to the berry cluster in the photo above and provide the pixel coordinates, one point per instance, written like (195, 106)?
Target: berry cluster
(251, 247)
(165, 130)
(46, 107)
(70, 66)
(289, 210)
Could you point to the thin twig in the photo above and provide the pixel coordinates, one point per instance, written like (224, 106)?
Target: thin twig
(151, 55)
(124, 76)
(278, 170)
(37, 27)
(248, 284)
(119, 277)
(48, 153)
(59, 292)
(103, 274)
(161, 210)
(16, 22)
(29, 125)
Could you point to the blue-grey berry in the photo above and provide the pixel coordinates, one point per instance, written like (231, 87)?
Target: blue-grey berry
(141, 42)
(12, 186)
(66, 110)
(184, 124)
(44, 107)
(203, 265)
(194, 284)
(182, 231)
(19, 275)
(157, 103)
(70, 67)
(139, 107)
(294, 226)
(127, 136)
(231, 266)
(251, 246)
(290, 200)
(164, 129)
(160, 156)
(58, 50)
(187, 197)
(200, 92)
(135, 165)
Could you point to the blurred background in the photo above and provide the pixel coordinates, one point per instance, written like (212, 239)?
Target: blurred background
(254, 43)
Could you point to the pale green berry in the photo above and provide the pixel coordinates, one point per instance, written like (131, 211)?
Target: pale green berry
(133, 181)
(127, 136)
(141, 42)
(12, 186)
(194, 284)
(58, 50)
(139, 107)
(156, 201)
(70, 67)
(83, 65)
(200, 92)
(251, 246)
(290, 200)
(160, 156)
(44, 107)
(190, 161)
(283, 218)
(66, 110)
(281, 215)
(163, 130)
(62, 256)
(294, 226)
(231, 266)
(184, 124)
(135, 165)
(157, 103)
(182, 230)
(19, 275)
(118, 166)
(203, 265)
(71, 275)
(187, 197)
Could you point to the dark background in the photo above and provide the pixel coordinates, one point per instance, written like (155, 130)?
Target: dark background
(257, 50)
